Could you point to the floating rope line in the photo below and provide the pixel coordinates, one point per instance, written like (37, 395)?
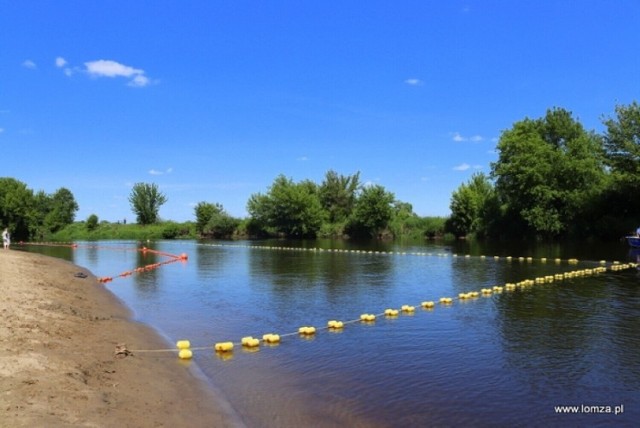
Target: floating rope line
(225, 349)
(172, 258)
(521, 259)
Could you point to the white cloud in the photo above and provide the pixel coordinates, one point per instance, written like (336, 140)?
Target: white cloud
(139, 81)
(414, 82)
(29, 64)
(302, 159)
(1, 130)
(462, 167)
(62, 63)
(108, 68)
(154, 171)
(456, 136)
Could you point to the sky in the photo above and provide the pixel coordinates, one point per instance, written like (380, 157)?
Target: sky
(212, 100)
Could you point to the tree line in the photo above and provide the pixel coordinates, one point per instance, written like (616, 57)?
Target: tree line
(553, 178)
(30, 214)
(339, 205)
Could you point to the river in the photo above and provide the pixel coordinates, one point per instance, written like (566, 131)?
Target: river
(508, 358)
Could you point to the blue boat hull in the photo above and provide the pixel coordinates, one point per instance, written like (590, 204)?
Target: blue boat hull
(634, 241)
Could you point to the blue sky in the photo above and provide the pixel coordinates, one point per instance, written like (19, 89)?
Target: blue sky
(211, 100)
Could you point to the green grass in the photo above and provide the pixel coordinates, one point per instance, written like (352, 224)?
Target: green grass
(166, 230)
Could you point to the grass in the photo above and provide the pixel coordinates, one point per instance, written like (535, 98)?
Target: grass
(79, 231)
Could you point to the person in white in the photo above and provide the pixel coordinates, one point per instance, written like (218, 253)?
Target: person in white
(6, 238)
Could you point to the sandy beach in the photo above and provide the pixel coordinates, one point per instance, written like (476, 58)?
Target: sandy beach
(58, 361)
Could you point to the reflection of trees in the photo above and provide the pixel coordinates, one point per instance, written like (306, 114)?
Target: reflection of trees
(65, 253)
(212, 260)
(339, 274)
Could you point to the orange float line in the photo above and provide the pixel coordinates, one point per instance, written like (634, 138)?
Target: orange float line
(172, 257)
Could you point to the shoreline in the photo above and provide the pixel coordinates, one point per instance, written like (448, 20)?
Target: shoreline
(58, 360)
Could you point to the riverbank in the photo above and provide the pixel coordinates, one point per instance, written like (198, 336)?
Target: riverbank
(58, 360)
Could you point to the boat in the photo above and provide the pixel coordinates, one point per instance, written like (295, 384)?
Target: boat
(634, 241)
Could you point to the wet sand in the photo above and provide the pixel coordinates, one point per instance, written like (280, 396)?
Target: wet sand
(58, 362)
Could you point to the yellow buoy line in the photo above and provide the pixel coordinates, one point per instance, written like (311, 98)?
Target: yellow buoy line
(521, 259)
(185, 350)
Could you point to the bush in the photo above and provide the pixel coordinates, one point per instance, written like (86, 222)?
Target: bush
(170, 230)
(92, 222)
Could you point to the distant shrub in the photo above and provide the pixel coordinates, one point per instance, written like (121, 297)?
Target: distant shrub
(170, 230)
(92, 222)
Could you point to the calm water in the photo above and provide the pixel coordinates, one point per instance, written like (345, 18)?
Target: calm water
(506, 360)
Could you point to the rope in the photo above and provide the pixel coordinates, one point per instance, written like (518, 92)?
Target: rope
(524, 284)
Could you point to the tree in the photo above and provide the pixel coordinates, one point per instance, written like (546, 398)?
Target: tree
(620, 207)
(146, 200)
(204, 211)
(338, 194)
(548, 170)
(213, 220)
(622, 142)
(473, 205)
(62, 210)
(92, 222)
(289, 208)
(372, 212)
(17, 208)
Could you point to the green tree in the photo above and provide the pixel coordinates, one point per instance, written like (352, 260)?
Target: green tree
(17, 208)
(288, 208)
(61, 211)
(548, 170)
(92, 222)
(473, 206)
(41, 208)
(222, 225)
(372, 212)
(622, 142)
(338, 194)
(204, 211)
(213, 220)
(146, 200)
(620, 208)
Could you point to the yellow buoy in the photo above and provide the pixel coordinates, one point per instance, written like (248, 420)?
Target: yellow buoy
(185, 354)
(307, 330)
(250, 342)
(271, 338)
(183, 344)
(333, 324)
(391, 312)
(428, 304)
(408, 308)
(223, 346)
